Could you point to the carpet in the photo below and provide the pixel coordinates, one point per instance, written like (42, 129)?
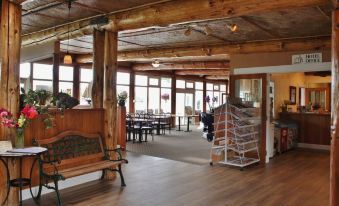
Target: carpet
(181, 146)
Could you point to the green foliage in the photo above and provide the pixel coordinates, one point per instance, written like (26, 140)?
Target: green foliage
(38, 99)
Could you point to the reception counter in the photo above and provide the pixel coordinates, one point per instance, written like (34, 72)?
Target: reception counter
(313, 128)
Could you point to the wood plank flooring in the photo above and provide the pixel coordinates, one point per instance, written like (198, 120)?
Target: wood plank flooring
(299, 177)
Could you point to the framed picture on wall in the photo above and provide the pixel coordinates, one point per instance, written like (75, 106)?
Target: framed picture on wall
(293, 95)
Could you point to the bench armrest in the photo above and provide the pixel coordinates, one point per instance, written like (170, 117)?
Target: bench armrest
(119, 155)
(54, 163)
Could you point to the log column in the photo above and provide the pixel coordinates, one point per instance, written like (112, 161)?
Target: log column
(204, 97)
(334, 177)
(76, 81)
(10, 43)
(110, 95)
(132, 92)
(173, 98)
(56, 65)
(98, 68)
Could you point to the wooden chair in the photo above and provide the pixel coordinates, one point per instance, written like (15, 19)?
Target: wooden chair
(72, 154)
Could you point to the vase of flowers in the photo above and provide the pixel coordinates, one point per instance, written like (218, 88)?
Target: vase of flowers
(122, 96)
(24, 117)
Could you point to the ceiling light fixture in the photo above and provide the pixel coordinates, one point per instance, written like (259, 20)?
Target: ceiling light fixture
(68, 57)
(208, 31)
(232, 27)
(156, 64)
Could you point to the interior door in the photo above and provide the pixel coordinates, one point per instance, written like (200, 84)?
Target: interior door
(184, 104)
(253, 88)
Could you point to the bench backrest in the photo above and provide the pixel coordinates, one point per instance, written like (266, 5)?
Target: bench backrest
(73, 148)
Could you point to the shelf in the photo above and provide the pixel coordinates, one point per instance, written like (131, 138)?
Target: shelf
(243, 135)
(241, 150)
(240, 161)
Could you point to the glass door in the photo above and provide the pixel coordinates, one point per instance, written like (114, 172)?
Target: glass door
(251, 89)
(184, 104)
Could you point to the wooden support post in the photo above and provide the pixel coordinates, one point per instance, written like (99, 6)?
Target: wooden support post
(31, 75)
(98, 68)
(204, 96)
(10, 43)
(132, 92)
(76, 81)
(121, 121)
(173, 98)
(334, 169)
(110, 94)
(56, 65)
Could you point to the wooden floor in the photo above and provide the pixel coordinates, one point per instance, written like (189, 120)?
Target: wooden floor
(299, 178)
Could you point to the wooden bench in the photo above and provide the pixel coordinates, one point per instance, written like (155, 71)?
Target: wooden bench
(73, 153)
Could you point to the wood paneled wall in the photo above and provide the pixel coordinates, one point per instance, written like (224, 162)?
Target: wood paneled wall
(84, 120)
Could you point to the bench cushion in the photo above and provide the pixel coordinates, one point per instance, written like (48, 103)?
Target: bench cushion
(87, 168)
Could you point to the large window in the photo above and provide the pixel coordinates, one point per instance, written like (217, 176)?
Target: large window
(86, 78)
(66, 80)
(152, 94)
(217, 91)
(199, 92)
(123, 84)
(43, 77)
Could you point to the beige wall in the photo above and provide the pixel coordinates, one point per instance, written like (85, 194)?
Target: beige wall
(282, 82)
(270, 59)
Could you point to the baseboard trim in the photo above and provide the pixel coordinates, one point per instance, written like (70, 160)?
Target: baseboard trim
(64, 184)
(314, 146)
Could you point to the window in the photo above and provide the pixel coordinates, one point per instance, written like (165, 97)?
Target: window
(66, 80)
(181, 84)
(123, 81)
(42, 77)
(189, 85)
(86, 78)
(199, 96)
(25, 73)
(141, 80)
(140, 99)
(218, 91)
(153, 82)
(123, 78)
(166, 82)
(154, 96)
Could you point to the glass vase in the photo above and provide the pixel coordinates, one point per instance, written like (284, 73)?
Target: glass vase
(20, 138)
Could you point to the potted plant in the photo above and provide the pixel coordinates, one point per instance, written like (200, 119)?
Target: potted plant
(122, 96)
(43, 96)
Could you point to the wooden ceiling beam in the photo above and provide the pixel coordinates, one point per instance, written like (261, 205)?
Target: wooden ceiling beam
(203, 72)
(260, 27)
(171, 12)
(182, 66)
(213, 77)
(282, 45)
(90, 8)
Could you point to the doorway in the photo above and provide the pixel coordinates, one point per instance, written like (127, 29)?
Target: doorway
(253, 88)
(184, 104)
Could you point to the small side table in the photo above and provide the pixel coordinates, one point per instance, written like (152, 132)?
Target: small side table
(21, 181)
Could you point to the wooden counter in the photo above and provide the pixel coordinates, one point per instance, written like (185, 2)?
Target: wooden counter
(313, 128)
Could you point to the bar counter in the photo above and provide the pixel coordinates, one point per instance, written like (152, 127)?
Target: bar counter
(313, 128)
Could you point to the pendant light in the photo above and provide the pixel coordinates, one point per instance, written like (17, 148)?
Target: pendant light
(68, 57)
